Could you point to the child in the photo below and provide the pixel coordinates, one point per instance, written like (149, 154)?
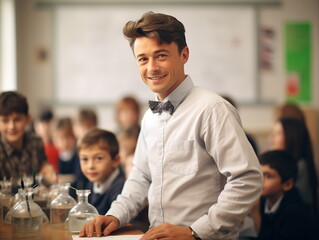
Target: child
(21, 153)
(127, 141)
(43, 128)
(127, 113)
(99, 158)
(281, 213)
(293, 136)
(65, 142)
(85, 120)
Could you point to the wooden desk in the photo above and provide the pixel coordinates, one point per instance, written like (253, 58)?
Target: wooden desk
(49, 234)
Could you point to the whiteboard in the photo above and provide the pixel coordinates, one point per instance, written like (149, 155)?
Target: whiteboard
(94, 63)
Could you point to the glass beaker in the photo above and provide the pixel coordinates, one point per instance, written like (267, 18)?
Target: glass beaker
(60, 207)
(26, 217)
(82, 212)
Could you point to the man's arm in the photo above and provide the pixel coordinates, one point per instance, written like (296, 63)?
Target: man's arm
(226, 142)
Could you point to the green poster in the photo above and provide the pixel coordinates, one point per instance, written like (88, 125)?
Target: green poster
(298, 61)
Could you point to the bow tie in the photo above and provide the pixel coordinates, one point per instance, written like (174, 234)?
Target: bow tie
(158, 107)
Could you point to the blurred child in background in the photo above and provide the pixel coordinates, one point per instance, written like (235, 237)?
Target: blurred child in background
(127, 113)
(69, 164)
(43, 128)
(85, 120)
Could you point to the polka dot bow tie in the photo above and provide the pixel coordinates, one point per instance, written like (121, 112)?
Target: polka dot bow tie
(158, 107)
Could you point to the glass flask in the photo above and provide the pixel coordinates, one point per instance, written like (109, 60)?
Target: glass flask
(1, 213)
(60, 207)
(82, 212)
(26, 217)
(16, 200)
(5, 195)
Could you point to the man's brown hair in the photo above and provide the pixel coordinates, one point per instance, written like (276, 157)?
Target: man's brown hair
(164, 28)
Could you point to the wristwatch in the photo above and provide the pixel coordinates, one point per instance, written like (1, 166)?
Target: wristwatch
(194, 234)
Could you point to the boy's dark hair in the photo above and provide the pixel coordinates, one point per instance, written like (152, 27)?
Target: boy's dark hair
(164, 28)
(104, 139)
(282, 161)
(13, 102)
(46, 115)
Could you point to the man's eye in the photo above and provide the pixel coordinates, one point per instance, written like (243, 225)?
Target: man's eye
(99, 158)
(161, 55)
(83, 159)
(143, 59)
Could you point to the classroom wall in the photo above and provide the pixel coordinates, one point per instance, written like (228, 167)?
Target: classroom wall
(35, 73)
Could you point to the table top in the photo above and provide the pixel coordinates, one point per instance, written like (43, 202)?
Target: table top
(51, 234)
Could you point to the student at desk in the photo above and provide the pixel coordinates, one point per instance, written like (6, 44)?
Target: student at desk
(193, 163)
(21, 152)
(100, 163)
(281, 213)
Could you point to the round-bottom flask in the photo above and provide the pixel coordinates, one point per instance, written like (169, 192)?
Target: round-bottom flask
(26, 217)
(82, 212)
(60, 207)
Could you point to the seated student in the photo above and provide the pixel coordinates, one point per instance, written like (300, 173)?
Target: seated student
(293, 136)
(21, 152)
(85, 120)
(127, 141)
(281, 214)
(99, 158)
(127, 113)
(69, 163)
(43, 128)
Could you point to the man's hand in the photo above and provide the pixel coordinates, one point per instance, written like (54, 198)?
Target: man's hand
(100, 223)
(169, 232)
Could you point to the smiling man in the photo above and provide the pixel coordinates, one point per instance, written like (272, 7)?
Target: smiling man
(193, 164)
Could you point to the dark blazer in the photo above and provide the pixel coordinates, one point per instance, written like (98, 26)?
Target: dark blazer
(292, 221)
(103, 202)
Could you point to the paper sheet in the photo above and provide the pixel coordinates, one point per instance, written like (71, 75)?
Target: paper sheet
(118, 237)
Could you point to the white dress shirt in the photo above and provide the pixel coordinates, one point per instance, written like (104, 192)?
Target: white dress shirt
(195, 167)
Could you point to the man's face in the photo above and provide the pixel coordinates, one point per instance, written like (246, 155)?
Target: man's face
(12, 128)
(161, 66)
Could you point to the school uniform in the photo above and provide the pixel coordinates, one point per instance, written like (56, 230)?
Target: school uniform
(102, 195)
(289, 221)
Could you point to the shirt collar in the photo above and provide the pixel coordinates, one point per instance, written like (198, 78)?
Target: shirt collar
(103, 187)
(274, 207)
(178, 95)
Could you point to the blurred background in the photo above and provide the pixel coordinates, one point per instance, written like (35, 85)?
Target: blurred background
(68, 54)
